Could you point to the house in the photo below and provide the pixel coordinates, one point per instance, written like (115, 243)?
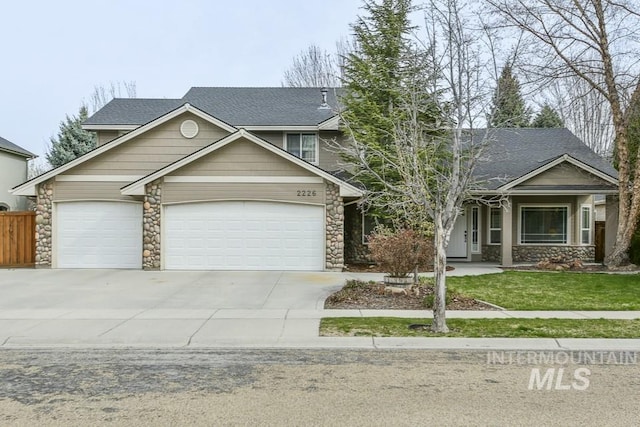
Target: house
(244, 179)
(13, 171)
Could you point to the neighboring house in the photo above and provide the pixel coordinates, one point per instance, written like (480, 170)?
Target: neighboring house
(13, 171)
(243, 179)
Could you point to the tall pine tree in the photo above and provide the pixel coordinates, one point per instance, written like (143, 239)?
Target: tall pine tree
(547, 117)
(376, 75)
(508, 109)
(72, 141)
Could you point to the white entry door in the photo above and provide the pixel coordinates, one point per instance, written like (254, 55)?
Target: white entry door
(243, 235)
(98, 235)
(458, 242)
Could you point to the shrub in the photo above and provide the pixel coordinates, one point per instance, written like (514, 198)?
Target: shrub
(400, 252)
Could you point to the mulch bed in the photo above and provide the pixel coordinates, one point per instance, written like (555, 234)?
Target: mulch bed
(374, 268)
(362, 295)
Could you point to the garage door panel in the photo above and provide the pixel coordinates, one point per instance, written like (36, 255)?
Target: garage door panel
(98, 235)
(245, 236)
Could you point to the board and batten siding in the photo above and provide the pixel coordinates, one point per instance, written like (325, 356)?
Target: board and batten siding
(152, 150)
(177, 192)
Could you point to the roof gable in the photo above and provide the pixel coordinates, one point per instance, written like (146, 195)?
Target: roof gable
(29, 188)
(137, 187)
(512, 154)
(564, 172)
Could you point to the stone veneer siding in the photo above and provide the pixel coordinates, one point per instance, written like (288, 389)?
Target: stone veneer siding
(151, 226)
(491, 253)
(532, 254)
(43, 224)
(539, 253)
(334, 228)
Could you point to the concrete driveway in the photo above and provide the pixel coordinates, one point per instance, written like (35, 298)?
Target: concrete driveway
(73, 290)
(160, 309)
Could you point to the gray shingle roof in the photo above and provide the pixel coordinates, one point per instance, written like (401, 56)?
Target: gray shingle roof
(9, 146)
(512, 153)
(238, 106)
(279, 106)
(132, 111)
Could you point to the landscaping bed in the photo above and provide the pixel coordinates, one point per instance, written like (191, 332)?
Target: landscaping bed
(357, 294)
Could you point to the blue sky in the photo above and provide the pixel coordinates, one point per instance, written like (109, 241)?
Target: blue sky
(55, 53)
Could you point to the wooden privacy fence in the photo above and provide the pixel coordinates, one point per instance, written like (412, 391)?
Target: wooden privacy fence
(17, 239)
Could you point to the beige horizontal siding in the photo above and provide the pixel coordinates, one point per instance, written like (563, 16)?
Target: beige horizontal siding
(274, 137)
(564, 174)
(151, 150)
(183, 192)
(242, 158)
(79, 190)
(328, 159)
(105, 136)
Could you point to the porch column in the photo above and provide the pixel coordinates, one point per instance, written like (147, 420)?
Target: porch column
(507, 233)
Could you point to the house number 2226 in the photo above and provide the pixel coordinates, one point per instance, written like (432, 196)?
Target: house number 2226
(306, 193)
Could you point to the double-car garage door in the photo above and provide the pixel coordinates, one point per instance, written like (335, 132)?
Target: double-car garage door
(231, 235)
(244, 235)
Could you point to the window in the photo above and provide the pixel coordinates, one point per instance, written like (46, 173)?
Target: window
(544, 224)
(475, 232)
(495, 226)
(585, 224)
(303, 145)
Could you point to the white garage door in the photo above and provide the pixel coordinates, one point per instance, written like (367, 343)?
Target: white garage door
(99, 235)
(244, 236)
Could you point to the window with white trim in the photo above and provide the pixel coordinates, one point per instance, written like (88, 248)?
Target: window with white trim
(544, 224)
(475, 229)
(495, 226)
(585, 224)
(303, 145)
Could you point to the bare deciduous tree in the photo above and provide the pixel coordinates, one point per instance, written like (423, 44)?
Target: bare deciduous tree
(585, 112)
(101, 95)
(596, 41)
(313, 67)
(433, 162)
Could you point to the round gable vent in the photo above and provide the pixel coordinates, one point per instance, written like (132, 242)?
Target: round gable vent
(189, 129)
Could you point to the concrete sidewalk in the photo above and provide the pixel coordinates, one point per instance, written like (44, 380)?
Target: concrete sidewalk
(272, 328)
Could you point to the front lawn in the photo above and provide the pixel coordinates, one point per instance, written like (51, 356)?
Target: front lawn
(527, 290)
(483, 328)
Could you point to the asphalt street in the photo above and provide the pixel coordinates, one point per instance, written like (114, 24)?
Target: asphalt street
(147, 387)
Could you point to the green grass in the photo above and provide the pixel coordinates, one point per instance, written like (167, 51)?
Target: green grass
(483, 328)
(526, 290)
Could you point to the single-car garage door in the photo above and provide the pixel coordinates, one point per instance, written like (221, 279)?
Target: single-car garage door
(237, 235)
(98, 235)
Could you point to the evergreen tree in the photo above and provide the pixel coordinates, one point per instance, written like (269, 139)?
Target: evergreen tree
(72, 141)
(547, 118)
(382, 65)
(508, 109)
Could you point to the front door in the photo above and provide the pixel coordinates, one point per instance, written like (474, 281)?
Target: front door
(458, 242)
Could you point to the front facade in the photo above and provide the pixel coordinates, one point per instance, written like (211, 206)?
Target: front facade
(13, 171)
(245, 179)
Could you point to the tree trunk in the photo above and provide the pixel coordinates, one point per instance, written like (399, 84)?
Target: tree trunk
(440, 270)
